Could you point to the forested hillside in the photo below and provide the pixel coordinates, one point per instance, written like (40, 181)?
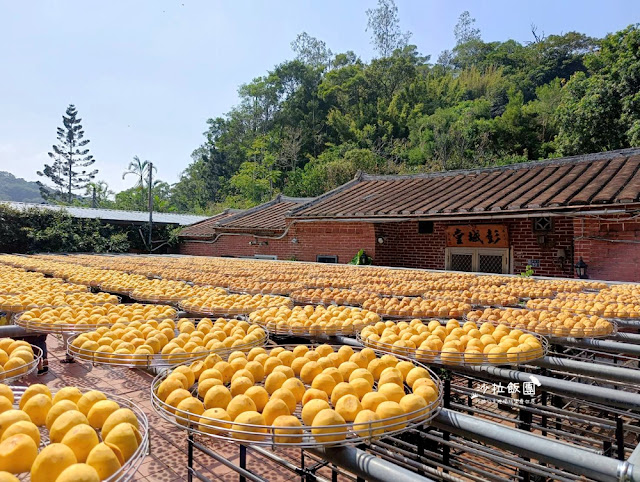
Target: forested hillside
(310, 123)
(16, 189)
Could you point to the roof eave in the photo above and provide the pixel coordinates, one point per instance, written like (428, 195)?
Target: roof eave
(476, 214)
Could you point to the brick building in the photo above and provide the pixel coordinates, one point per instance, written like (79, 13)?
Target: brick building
(265, 232)
(545, 214)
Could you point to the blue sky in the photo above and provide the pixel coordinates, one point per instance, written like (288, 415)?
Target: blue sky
(146, 75)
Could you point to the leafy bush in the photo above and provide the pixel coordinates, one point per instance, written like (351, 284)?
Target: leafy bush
(44, 230)
(361, 258)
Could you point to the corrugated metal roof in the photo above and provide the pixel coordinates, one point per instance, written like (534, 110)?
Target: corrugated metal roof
(594, 180)
(206, 228)
(114, 214)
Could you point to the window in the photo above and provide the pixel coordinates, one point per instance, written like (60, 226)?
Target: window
(483, 260)
(542, 225)
(326, 258)
(425, 227)
(265, 256)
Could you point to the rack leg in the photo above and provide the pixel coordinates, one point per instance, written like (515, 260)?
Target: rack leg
(420, 445)
(526, 418)
(543, 402)
(606, 448)
(190, 457)
(446, 435)
(620, 438)
(65, 343)
(243, 461)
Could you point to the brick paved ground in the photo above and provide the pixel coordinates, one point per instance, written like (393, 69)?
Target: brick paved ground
(168, 459)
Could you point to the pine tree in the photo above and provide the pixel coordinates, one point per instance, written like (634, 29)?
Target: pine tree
(71, 158)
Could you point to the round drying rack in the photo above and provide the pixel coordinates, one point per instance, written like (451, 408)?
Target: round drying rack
(14, 374)
(220, 312)
(552, 332)
(157, 360)
(71, 328)
(302, 436)
(131, 466)
(446, 358)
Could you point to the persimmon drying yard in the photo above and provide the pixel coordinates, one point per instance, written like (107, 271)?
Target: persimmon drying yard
(275, 370)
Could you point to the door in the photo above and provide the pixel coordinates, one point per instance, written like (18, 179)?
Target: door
(484, 260)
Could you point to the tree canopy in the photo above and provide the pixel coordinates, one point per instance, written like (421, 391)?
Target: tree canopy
(68, 172)
(308, 124)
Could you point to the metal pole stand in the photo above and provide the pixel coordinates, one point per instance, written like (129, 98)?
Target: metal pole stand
(65, 343)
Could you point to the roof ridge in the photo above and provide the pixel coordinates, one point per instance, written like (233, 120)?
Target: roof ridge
(280, 198)
(459, 192)
(327, 194)
(213, 217)
(577, 159)
(294, 199)
(247, 212)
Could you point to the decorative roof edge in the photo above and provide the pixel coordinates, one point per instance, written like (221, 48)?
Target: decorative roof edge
(583, 158)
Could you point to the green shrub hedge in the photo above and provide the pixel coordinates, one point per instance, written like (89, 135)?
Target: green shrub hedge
(51, 231)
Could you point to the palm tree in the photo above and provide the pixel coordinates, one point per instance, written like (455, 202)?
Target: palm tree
(140, 169)
(99, 192)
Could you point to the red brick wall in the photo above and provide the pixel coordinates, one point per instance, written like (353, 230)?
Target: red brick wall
(403, 246)
(232, 245)
(340, 239)
(609, 246)
(525, 247)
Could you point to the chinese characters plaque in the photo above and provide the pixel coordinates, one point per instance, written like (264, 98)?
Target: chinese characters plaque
(478, 236)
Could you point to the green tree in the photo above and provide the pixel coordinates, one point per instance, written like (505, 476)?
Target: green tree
(140, 169)
(544, 109)
(99, 193)
(133, 198)
(46, 230)
(601, 111)
(464, 30)
(193, 192)
(311, 51)
(71, 157)
(309, 124)
(384, 24)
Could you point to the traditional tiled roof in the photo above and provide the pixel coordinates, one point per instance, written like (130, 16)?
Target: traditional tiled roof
(270, 216)
(206, 228)
(115, 215)
(607, 179)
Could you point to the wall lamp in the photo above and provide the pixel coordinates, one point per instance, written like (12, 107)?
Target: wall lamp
(581, 269)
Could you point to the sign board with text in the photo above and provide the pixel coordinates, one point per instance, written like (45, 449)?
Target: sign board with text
(478, 236)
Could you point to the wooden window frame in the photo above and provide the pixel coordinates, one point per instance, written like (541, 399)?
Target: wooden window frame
(475, 257)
